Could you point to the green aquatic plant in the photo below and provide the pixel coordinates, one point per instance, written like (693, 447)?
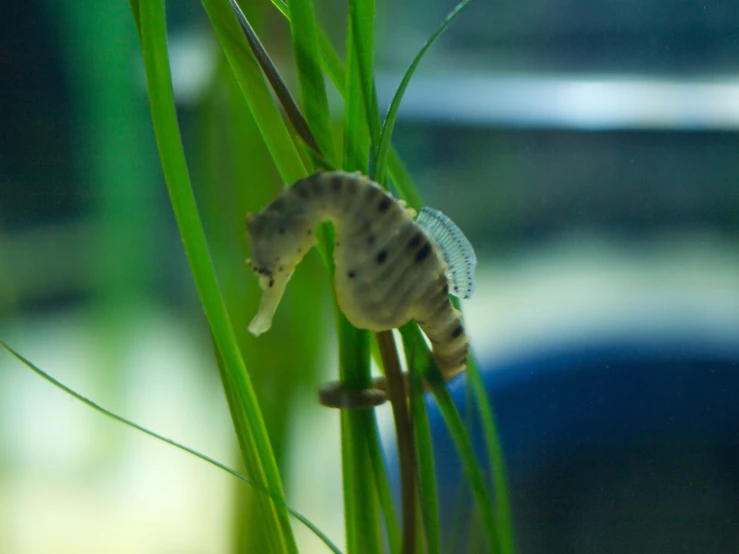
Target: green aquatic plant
(299, 142)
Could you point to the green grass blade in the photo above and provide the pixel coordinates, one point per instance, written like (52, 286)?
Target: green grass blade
(363, 529)
(136, 14)
(362, 26)
(384, 493)
(356, 131)
(495, 452)
(282, 7)
(470, 464)
(248, 73)
(250, 429)
(497, 461)
(387, 129)
(332, 62)
(337, 73)
(310, 76)
(97, 407)
(279, 87)
(427, 492)
(403, 182)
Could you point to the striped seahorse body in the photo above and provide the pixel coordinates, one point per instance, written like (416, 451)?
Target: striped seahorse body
(388, 270)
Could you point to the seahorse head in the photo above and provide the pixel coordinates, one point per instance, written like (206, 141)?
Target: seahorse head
(278, 243)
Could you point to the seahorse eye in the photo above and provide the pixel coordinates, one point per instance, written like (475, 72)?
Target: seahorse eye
(250, 219)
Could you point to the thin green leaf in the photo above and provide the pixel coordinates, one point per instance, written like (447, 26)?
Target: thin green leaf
(402, 181)
(384, 493)
(419, 361)
(136, 13)
(310, 76)
(248, 73)
(392, 113)
(356, 136)
(278, 498)
(362, 26)
(363, 529)
(460, 437)
(470, 464)
(497, 461)
(282, 7)
(495, 451)
(332, 62)
(461, 524)
(279, 87)
(335, 69)
(250, 429)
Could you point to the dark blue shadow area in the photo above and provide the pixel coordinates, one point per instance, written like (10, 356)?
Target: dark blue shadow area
(621, 446)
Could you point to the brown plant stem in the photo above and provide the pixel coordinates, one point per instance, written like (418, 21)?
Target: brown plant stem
(398, 395)
(278, 85)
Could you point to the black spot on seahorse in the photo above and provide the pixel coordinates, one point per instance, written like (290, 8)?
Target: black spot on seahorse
(424, 252)
(415, 241)
(458, 331)
(445, 290)
(381, 256)
(278, 205)
(351, 186)
(440, 308)
(316, 186)
(384, 203)
(371, 239)
(373, 192)
(302, 189)
(281, 230)
(336, 182)
(365, 227)
(351, 275)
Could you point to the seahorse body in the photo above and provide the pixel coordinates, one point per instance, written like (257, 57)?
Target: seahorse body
(388, 270)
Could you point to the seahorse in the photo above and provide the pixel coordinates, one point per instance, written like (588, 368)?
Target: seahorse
(389, 268)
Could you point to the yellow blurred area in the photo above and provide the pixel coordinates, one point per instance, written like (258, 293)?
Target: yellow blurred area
(74, 481)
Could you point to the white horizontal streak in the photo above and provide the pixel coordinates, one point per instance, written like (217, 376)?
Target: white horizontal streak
(593, 102)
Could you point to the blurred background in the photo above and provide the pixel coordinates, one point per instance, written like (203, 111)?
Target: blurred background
(587, 149)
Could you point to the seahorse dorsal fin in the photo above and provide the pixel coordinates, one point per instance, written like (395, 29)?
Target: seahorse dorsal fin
(454, 247)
